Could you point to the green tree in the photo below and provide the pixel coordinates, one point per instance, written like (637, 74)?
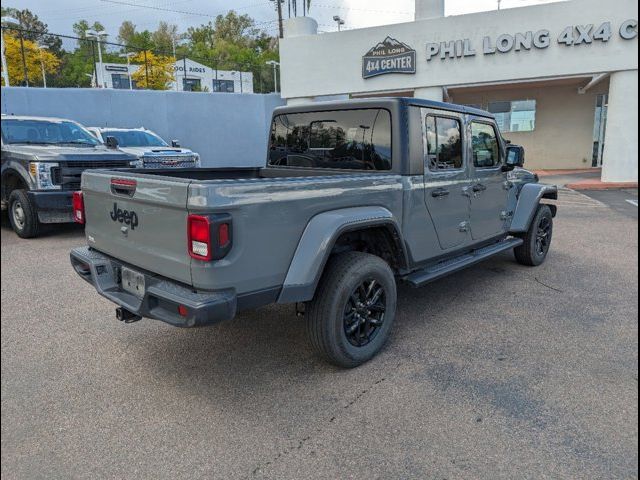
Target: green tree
(81, 28)
(36, 30)
(126, 32)
(165, 37)
(235, 29)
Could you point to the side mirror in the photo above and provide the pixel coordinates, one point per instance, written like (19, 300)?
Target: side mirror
(111, 142)
(175, 143)
(515, 157)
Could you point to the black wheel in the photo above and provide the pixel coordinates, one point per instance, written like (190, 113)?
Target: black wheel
(23, 215)
(537, 240)
(350, 318)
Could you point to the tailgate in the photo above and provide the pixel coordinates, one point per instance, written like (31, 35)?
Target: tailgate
(139, 219)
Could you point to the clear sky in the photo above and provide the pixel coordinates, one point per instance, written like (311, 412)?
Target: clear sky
(61, 14)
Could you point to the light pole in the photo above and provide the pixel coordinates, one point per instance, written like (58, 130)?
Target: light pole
(128, 57)
(339, 21)
(98, 36)
(233, 75)
(44, 75)
(93, 79)
(275, 65)
(175, 61)
(5, 71)
(499, 2)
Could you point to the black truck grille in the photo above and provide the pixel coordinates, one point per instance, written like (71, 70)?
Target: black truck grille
(68, 173)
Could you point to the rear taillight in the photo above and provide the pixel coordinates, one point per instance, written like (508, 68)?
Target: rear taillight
(209, 237)
(199, 233)
(78, 207)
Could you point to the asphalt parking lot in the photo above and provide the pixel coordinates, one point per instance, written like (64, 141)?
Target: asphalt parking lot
(500, 371)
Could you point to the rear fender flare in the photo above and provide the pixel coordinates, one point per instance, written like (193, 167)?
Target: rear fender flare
(316, 244)
(528, 201)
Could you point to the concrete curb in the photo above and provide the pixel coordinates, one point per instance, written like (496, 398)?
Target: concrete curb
(547, 173)
(599, 185)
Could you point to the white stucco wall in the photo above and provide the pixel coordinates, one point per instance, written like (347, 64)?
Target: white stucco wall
(331, 63)
(621, 143)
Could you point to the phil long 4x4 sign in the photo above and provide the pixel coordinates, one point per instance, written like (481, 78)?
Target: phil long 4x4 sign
(389, 56)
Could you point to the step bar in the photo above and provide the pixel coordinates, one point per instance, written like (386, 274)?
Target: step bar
(447, 267)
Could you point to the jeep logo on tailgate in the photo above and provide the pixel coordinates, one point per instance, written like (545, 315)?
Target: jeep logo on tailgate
(124, 216)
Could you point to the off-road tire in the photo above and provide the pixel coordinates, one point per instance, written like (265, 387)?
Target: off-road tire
(326, 317)
(23, 215)
(529, 253)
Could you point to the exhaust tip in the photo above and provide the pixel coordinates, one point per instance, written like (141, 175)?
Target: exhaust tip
(126, 316)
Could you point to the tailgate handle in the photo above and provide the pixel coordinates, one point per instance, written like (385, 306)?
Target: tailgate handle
(123, 186)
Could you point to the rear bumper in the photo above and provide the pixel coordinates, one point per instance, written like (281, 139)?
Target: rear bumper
(162, 296)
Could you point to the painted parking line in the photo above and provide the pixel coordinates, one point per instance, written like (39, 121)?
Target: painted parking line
(633, 202)
(568, 197)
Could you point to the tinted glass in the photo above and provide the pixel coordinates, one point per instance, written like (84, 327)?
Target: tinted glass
(485, 147)
(515, 116)
(120, 80)
(44, 132)
(134, 138)
(350, 139)
(191, 84)
(444, 143)
(223, 86)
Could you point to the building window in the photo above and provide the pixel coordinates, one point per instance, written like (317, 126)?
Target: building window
(515, 116)
(484, 145)
(444, 143)
(191, 84)
(225, 86)
(345, 139)
(121, 81)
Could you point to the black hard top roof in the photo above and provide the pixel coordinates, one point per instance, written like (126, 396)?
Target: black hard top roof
(381, 102)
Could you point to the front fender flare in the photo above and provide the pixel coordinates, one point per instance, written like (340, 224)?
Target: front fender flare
(16, 169)
(316, 244)
(528, 201)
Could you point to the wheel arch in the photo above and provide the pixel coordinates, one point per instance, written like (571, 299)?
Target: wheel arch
(12, 180)
(528, 200)
(350, 229)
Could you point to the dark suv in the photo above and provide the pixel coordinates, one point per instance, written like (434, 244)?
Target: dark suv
(42, 161)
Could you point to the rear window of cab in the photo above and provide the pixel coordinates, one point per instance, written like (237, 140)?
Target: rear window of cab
(340, 139)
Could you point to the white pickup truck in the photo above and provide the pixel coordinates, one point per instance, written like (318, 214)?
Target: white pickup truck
(150, 149)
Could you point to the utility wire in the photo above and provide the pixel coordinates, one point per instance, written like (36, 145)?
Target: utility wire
(182, 12)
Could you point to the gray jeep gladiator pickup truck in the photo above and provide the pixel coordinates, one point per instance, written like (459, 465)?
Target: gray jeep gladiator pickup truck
(355, 196)
(42, 160)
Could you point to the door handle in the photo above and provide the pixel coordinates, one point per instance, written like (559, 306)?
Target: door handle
(440, 192)
(478, 187)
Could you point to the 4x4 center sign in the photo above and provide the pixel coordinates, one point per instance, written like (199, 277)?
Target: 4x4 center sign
(389, 56)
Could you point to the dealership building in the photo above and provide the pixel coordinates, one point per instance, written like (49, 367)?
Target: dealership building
(561, 78)
(189, 76)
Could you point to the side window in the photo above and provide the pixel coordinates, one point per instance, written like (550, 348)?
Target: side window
(484, 145)
(443, 143)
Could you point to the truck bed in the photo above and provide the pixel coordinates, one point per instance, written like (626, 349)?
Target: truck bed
(270, 208)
